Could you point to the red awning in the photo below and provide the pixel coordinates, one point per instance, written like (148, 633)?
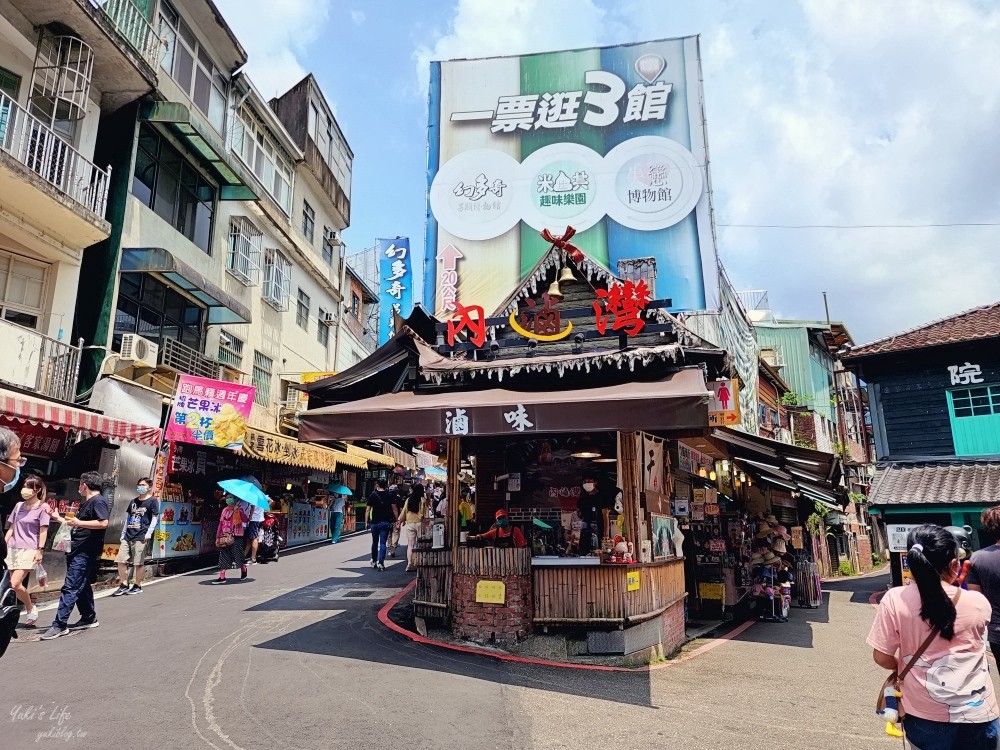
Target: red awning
(23, 408)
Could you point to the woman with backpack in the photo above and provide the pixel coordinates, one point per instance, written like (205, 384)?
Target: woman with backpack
(229, 538)
(28, 528)
(933, 635)
(410, 515)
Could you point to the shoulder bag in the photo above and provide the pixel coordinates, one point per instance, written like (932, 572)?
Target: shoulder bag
(895, 680)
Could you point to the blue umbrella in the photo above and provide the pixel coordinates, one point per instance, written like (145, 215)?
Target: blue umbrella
(248, 490)
(339, 489)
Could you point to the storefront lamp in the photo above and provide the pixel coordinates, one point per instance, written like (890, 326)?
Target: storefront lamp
(288, 487)
(743, 476)
(703, 472)
(725, 467)
(712, 476)
(586, 449)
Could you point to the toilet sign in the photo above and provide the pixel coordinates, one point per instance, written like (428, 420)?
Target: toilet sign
(897, 533)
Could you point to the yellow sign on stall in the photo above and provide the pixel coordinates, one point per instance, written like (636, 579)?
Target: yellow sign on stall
(491, 592)
(632, 580)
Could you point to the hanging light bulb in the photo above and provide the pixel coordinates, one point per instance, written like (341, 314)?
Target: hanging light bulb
(703, 472)
(743, 476)
(712, 476)
(725, 466)
(749, 481)
(736, 481)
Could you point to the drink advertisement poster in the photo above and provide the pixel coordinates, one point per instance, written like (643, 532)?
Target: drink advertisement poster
(210, 412)
(610, 141)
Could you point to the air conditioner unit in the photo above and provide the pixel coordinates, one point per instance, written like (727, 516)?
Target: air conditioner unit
(328, 318)
(783, 435)
(138, 351)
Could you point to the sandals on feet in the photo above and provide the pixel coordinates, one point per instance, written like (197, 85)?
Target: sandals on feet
(32, 617)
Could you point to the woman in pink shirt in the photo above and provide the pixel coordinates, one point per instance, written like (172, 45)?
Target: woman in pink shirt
(948, 694)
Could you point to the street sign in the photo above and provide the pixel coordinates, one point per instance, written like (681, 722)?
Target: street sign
(897, 533)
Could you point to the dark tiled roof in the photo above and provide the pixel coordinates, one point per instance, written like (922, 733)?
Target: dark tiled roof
(971, 325)
(945, 481)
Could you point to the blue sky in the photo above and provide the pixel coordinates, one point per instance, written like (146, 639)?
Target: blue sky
(832, 113)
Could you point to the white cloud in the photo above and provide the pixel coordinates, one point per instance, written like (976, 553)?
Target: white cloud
(275, 34)
(358, 17)
(819, 113)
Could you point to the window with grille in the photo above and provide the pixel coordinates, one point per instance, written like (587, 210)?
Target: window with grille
(277, 279)
(323, 330)
(639, 269)
(231, 350)
(245, 241)
(261, 376)
(308, 221)
(329, 244)
(302, 311)
(976, 402)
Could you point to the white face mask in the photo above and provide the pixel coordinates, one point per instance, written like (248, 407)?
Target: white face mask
(26, 493)
(588, 486)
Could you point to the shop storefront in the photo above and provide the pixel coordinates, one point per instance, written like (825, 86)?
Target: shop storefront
(60, 442)
(578, 464)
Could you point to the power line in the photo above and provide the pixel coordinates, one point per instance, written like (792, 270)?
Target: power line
(861, 226)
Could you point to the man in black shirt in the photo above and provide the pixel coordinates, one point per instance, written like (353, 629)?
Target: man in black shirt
(140, 523)
(595, 506)
(86, 540)
(381, 515)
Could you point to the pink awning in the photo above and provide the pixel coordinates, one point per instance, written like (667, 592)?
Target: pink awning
(23, 408)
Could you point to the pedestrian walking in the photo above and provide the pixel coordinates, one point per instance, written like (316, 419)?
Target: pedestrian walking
(393, 539)
(140, 523)
(984, 575)
(229, 538)
(933, 634)
(27, 530)
(410, 515)
(254, 531)
(339, 504)
(86, 539)
(380, 514)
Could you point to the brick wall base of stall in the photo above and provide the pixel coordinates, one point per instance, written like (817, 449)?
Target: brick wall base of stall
(492, 623)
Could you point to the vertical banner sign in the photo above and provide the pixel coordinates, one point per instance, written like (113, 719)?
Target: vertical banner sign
(210, 412)
(609, 140)
(395, 292)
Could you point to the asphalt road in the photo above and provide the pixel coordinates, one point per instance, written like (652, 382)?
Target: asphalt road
(295, 658)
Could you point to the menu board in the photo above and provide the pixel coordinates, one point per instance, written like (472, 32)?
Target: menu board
(178, 533)
(320, 524)
(299, 524)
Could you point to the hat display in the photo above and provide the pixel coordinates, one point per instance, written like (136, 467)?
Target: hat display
(764, 533)
(770, 558)
(783, 533)
(778, 545)
(772, 519)
(757, 559)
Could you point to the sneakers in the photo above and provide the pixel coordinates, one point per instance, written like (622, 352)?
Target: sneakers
(122, 589)
(243, 572)
(217, 581)
(381, 566)
(374, 564)
(82, 624)
(54, 632)
(136, 589)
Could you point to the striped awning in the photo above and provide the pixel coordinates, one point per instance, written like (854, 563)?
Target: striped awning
(22, 408)
(375, 458)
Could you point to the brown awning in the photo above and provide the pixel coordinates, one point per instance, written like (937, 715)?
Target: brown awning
(679, 402)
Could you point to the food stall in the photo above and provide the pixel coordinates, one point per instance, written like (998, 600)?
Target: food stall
(534, 414)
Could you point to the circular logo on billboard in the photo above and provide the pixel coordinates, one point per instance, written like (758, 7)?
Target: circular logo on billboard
(473, 195)
(656, 182)
(562, 186)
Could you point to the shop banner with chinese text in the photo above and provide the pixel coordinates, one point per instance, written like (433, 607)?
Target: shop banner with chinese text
(210, 412)
(285, 450)
(611, 141)
(395, 285)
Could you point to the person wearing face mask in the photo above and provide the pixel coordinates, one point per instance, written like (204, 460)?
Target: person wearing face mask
(232, 523)
(502, 534)
(140, 523)
(26, 533)
(86, 542)
(595, 507)
(11, 461)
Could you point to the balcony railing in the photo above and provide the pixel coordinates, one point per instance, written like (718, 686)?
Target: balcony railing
(134, 27)
(33, 360)
(45, 153)
(183, 358)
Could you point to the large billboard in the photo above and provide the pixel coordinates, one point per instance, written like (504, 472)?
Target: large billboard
(395, 292)
(610, 141)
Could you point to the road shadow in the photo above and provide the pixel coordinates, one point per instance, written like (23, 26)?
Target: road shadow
(354, 632)
(797, 632)
(861, 589)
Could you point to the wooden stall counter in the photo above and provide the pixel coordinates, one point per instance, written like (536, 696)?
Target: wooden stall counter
(607, 595)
